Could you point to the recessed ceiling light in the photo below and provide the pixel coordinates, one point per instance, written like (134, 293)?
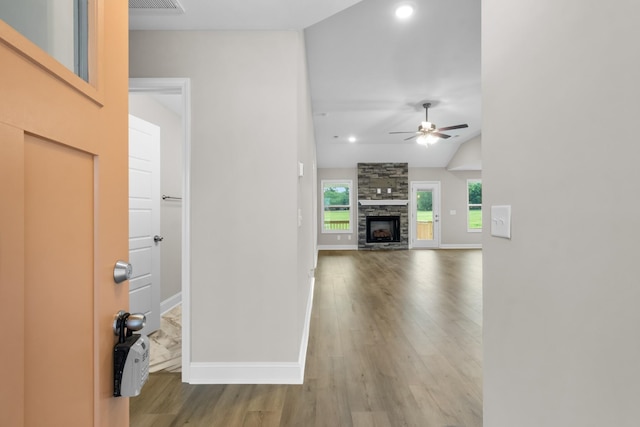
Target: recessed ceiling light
(404, 11)
(352, 139)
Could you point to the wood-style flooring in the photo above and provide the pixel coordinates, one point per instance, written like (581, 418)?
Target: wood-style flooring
(395, 340)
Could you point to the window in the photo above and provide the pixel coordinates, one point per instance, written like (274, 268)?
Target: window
(59, 27)
(336, 206)
(474, 205)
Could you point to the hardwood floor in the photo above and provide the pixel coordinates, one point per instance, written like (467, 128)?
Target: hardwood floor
(395, 340)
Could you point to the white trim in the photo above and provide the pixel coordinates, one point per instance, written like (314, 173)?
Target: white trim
(383, 202)
(302, 357)
(337, 248)
(179, 86)
(461, 246)
(246, 373)
(186, 233)
(170, 303)
(349, 231)
(258, 372)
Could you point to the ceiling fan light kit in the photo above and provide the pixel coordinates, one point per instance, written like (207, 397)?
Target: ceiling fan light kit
(426, 140)
(426, 127)
(404, 11)
(428, 133)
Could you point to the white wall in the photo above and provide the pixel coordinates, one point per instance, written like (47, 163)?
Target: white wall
(453, 195)
(307, 195)
(147, 108)
(560, 145)
(250, 128)
(468, 156)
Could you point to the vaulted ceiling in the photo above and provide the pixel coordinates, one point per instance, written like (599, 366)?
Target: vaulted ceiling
(369, 71)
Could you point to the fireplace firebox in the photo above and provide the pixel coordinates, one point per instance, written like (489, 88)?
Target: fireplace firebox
(383, 229)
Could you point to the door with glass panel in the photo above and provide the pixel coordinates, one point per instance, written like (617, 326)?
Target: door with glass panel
(63, 210)
(425, 214)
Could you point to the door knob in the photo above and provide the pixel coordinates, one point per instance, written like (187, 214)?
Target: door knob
(157, 238)
(122, 271)
(124, 323)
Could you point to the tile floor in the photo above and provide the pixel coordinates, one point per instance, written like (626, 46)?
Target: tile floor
(166, 343)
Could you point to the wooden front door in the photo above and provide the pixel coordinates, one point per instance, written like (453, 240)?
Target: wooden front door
(63, 225)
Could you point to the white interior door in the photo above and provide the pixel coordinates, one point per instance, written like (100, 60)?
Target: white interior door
(144, 220)
(425, 214)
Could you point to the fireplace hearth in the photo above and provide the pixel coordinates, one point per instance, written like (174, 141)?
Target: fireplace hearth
(383, 229)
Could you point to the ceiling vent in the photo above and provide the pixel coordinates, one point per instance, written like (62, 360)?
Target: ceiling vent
(156, 6)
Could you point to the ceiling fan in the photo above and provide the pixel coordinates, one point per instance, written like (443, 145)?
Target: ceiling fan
(427, 132)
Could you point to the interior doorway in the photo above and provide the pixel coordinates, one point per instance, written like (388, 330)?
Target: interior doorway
(171, 95)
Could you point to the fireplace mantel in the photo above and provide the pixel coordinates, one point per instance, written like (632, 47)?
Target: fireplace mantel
(383, 202)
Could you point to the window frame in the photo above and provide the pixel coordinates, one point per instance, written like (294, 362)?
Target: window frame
(93, 88)
(327, 183)
(470, 205)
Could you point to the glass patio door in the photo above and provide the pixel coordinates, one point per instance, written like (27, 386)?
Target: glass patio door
(425, 214)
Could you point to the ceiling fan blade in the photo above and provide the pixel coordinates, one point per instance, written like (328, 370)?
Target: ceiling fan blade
(402, 132)
(441, 135)
(411, 137)
(452, 127)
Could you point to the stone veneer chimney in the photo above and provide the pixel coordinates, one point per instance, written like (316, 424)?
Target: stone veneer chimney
(383, 176)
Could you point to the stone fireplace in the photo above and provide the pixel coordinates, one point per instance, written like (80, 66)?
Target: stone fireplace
(383, 214)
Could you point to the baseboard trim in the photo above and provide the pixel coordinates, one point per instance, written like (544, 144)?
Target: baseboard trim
(257, 372)
(302, 357)
(170, 302)
(245, 373)
(337, 247)
(462, 246)
(315, 259)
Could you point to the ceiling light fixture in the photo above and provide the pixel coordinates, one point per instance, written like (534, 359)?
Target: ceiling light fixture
(404, 11)
(426, 127)
(428, 130)
(352, 139)
(427, 139)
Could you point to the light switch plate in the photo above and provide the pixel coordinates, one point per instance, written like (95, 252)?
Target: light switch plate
(501, 221)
